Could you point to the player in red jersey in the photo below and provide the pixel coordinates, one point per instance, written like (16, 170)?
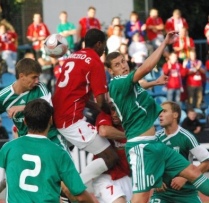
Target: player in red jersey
(115, 184)
(83, 74)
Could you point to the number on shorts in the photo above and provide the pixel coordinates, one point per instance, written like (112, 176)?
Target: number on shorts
(111, 189)
(68, 68)
(156, 200)
(28, 172)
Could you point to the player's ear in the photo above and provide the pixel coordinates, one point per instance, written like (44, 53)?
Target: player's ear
(50, 121)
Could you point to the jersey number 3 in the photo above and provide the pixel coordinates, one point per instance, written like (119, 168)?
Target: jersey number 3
(68, 68)
(28, 172)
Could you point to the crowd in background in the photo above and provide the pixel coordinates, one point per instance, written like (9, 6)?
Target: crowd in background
(135, 39)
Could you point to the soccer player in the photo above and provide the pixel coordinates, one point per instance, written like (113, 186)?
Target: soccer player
(82, 74)
(115, 184)
(34, 166)
(149, 159)
(185, 143)
(26, 88)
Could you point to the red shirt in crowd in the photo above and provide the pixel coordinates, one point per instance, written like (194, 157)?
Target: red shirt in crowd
(87, 24)
(153, 21)
(122, 168)
(82, 74)
(174, 72)
(39, 30)
(8, 41)
(175, 24)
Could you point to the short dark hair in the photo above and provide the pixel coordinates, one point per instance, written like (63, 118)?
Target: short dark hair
(37, 115)
(111, 57)
(175, 108)
(27, 66)
(91, 8)
(93, 36)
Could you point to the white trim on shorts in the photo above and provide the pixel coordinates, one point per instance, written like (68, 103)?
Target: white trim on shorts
(107, 190)
(85, 136)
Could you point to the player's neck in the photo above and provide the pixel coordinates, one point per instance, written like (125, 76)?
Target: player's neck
(18, 88)
(171, 129)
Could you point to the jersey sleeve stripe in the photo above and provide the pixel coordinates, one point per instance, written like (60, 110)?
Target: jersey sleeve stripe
(43, 89)
(189, 136)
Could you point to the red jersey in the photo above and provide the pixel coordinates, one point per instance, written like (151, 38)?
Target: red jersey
(174, 72)
(187, 43)
(175, 24)
(82, 73)
(122, 168)
(207, 64)
(39, 30)
(206, 32)
(194, 77)
(87, 24)
(8, 41)
(153, 21)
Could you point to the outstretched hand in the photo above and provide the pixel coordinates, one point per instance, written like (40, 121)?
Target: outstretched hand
(162, 80)
(171, 37)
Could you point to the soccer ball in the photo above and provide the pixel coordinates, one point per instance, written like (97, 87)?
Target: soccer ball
(55, 45)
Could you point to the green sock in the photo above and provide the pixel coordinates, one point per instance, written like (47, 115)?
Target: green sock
(202, 184)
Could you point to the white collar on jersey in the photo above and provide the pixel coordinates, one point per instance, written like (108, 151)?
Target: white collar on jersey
(36, 136)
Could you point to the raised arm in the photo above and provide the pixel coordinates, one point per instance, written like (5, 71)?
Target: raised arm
(153, 59)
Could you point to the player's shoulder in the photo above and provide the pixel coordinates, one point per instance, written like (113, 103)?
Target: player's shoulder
(42, 87)
(5, 91)
(186, 134)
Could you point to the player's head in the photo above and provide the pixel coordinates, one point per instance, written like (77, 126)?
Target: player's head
(95, 39)
(170, 115)
(38, 116)
(115, 119)
(27, 72)
(117, 64)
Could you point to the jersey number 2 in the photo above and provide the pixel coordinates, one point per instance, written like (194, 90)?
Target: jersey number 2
(68, 68)
(28, 172)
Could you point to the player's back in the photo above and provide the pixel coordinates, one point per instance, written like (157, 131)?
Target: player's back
(32, 169)
(81, 74)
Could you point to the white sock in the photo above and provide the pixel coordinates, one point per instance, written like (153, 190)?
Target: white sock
(93, 170)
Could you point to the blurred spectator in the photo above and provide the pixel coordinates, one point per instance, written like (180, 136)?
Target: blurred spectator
(4, 137)
(176, 22)
(174, 70)
(124, 50)
(29, 55)
(85, 24)
(8, 47)
(191, 122)
(206, 32)
(37, 33)
(67, 29)
(115, 40)
(115, 21)
(137, 50)
(183, 44)
(154, 28)
(47, 66)
(207, 61)
(195, 79)
(134, 25)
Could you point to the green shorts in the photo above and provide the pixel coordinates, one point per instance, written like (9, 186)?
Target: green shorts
(161, 197)
(150, 160)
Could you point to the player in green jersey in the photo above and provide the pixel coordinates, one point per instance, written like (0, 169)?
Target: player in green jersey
(27, 87)
(149, 159)
(34, 166)
(186, 144)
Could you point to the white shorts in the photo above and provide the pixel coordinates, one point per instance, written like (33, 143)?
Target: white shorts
(84, 136)
(107, 191)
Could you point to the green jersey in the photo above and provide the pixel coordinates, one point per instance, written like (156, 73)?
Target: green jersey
(34, 168)
(9, 98)
(67, 27)
(186, 144)
(135, 107)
